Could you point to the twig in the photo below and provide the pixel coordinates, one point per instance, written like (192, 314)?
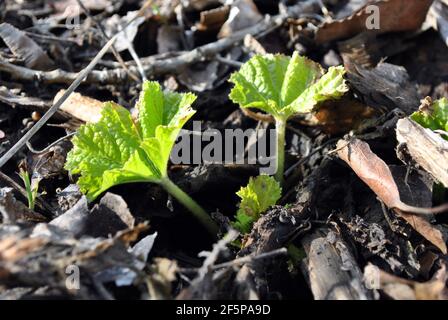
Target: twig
(248, 259)
(77, 81)
(230, 62)
(50, 38)
(47, 148)
(153, 67)
(136, 58)
(242, 260)
(258, 116)
(212, 256)
(27, 136)
(307, 157)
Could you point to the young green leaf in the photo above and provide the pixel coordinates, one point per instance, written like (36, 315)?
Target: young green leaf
(435, 117)
(283, 86)
(118, 150)
(261, 193)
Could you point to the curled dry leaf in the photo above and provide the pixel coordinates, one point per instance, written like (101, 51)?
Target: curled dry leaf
(23, 47)
(404, 289)
(394, 16)
(81, 107)
(377, 175)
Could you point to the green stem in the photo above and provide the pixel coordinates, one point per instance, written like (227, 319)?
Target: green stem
(280, 128)
(29, 193)
(191, 205)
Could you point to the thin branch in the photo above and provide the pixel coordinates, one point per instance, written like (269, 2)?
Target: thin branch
(154, 67)
(47, 148)
(77, 81)
(258, 116)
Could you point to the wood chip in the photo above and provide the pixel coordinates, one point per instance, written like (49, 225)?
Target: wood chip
(81, 107)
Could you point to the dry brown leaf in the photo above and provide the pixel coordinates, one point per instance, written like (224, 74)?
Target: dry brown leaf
(376, 174)
(404, 289)
(81, 107)
(23, 47)
(341, 116)
(395, 16)
(243, 14)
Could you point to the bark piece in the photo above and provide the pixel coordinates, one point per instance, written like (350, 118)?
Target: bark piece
(427, 149)
(332, 270)
(386, 85)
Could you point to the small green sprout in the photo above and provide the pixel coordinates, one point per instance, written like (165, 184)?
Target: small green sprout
(283, 86)
(434, 116)
(261, 193)
(118, 150)
(31, 188)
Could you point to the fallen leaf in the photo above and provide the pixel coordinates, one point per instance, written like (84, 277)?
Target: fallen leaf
(394, 16)
(404, 289)
(243, 14)
(339, 116)
(116, 23)
(377, 175)
(23, 47)
(81, 107)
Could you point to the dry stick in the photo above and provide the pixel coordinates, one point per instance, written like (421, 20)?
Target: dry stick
(136, 58)
(153, 67)
(47, 148)
(27, 136)
(77, 81)
(242, 260)
(249, 259)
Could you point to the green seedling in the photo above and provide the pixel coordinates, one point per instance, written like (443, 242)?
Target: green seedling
(259, 195)
(283, 86)
(118, 150)
(31, 188)
(433, 116)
